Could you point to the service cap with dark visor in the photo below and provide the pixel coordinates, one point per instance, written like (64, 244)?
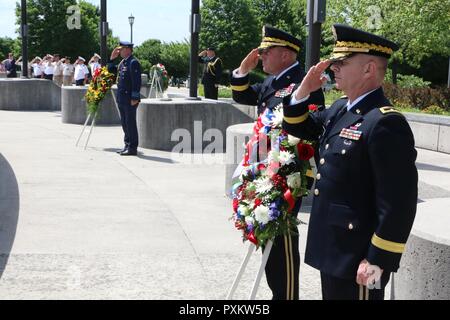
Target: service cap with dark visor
(273, 37)
(349, 41)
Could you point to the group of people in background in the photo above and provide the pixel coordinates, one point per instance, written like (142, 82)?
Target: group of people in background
(54, 68)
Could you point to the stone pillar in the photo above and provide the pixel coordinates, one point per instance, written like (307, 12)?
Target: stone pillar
(425, 265)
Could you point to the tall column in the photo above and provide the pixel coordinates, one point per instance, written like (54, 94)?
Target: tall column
(103, 33)
(24, 34)
(315, 18)
(195, 29)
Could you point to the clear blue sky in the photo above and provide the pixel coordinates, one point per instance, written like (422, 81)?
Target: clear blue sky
(167, 20)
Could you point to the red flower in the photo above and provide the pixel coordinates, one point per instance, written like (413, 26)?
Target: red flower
(257, 203)
(305, 151)
(239, 225)
(235, 204)
(97, 72)
(251, 237)
(261, 166)
(313, 107)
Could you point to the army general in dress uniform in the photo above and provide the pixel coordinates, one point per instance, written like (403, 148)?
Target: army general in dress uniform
(278, 52)
(212, 72)
(128, 94)
(366, 186)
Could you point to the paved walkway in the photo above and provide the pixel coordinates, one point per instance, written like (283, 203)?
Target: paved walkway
(78, 224)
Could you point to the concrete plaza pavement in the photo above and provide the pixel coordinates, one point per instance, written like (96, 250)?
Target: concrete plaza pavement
(78, 224)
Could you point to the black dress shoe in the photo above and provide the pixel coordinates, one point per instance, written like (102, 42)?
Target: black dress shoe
(121, 151)
(129, 153)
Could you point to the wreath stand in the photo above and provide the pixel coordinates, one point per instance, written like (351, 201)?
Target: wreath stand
(243, 266)
(94, 117)
(156, 86)
(90, 131)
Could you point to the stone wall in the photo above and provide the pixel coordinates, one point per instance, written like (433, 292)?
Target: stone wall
(29, 95)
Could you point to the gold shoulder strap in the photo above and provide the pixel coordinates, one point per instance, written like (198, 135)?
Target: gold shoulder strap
(388, 109)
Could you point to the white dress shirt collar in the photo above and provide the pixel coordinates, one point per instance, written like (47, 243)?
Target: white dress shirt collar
(286, 70)
(350, 105)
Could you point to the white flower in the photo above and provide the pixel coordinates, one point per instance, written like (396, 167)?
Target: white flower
(294, 180)
(274, 156)
(293, 141)
(277, 119)
(249, 220)
(286, 157)
(244, 210)
(262, 214)
(263, 184)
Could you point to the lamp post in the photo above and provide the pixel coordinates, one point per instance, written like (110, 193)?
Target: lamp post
(131, 20)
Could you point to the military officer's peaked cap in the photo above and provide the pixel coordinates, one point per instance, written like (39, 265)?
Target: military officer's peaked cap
(274, 37)
(349, 41)
(211, 48)
(126, 44)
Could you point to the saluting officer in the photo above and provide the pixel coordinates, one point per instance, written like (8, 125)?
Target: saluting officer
(366, 187)
(212, 72)
(278, 52)
(128, 94)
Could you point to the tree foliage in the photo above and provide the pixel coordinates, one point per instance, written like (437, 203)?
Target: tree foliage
(48, 31)
(8, 45)
(174, 56)
(231, 27)
(420, 27)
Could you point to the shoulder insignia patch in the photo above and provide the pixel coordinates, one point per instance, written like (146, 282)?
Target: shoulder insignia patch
(388, 109)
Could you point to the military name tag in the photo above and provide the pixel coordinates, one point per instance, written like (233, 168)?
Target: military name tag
(351, 134)
(285, 92)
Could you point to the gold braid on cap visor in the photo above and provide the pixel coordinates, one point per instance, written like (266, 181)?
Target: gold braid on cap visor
(350, 46)
(268, 41)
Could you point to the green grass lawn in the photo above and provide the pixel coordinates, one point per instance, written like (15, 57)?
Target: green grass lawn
(224, 92)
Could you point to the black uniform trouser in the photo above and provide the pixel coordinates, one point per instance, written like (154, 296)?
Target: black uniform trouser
(129, 126)
(79, 82)
(283, 265)
(211, 91)
(347, 289)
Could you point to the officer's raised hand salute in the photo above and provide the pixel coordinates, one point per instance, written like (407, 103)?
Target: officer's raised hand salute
(250, 62)
(313, 80)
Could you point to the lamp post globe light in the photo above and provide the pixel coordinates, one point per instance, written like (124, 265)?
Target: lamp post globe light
(131, 20)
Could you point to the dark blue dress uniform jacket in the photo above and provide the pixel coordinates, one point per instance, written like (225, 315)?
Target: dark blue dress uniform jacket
(264, 94)
(366, 188)
(128, 80)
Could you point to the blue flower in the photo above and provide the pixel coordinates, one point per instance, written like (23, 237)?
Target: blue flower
(274, 212)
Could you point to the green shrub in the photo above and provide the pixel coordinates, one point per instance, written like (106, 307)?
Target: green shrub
(419, 98)
(434, 109)
(408, 81)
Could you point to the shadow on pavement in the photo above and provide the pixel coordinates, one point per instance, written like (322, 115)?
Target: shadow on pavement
(144, 157)
(430, 167)
(9, 211)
